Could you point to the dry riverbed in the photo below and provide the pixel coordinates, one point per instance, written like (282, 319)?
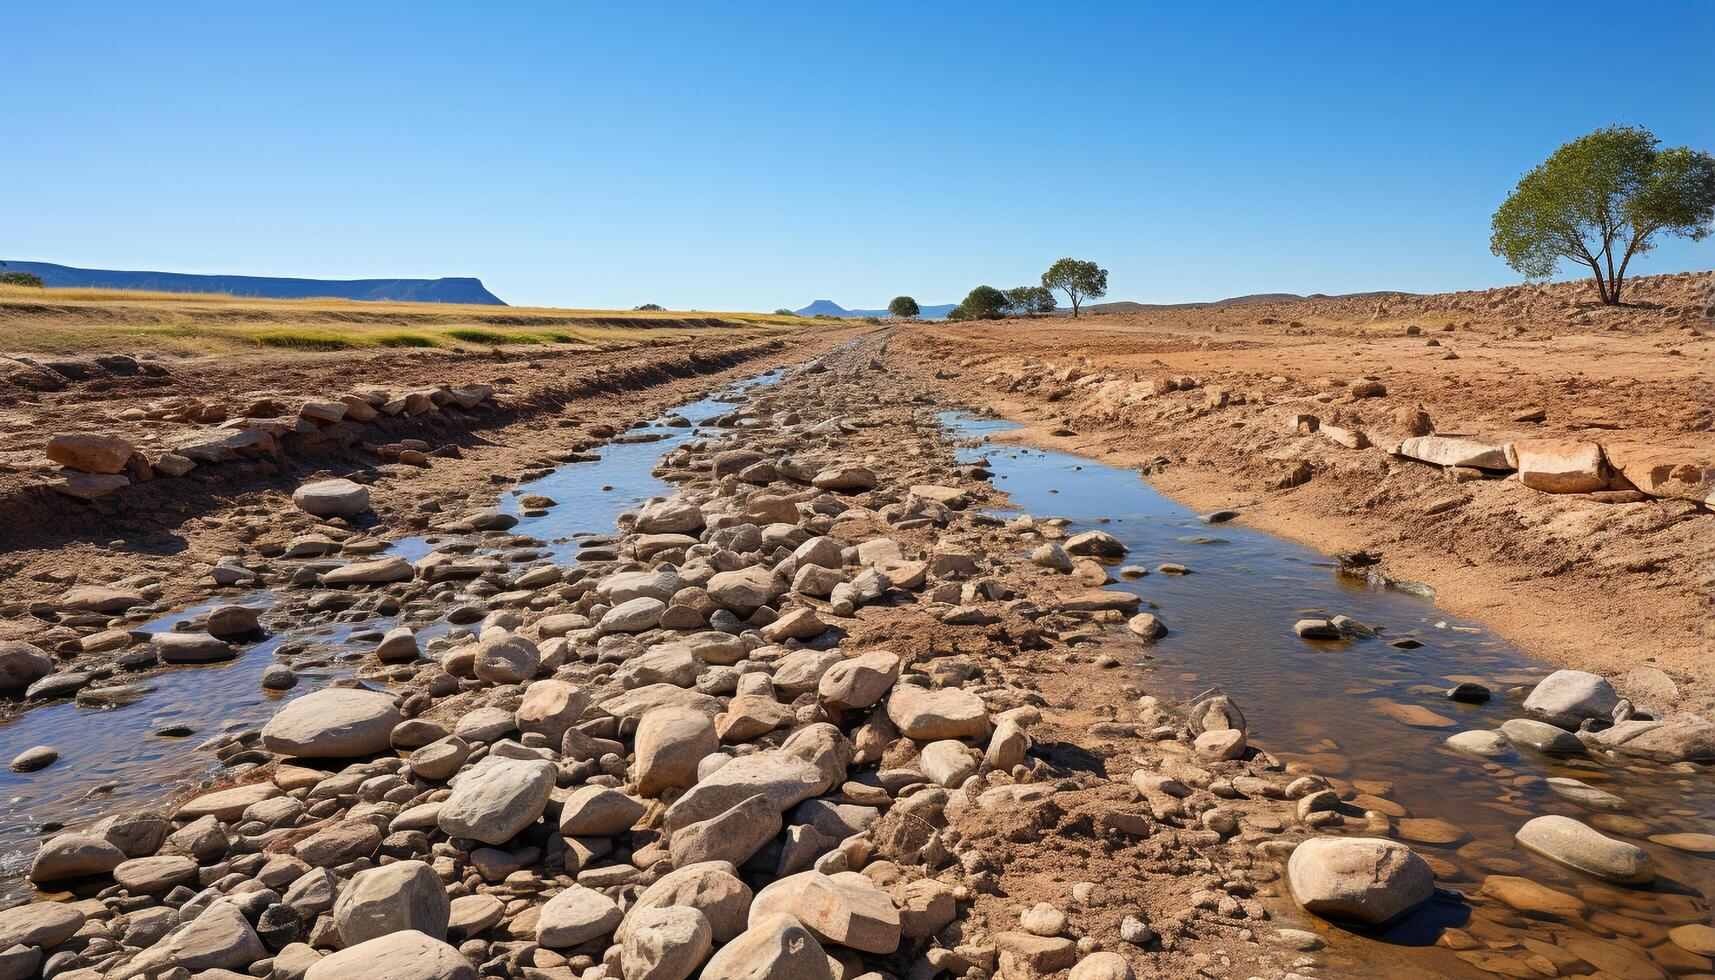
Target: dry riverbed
(816, 713)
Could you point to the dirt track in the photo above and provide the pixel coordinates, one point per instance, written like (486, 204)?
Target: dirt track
(1607, 586)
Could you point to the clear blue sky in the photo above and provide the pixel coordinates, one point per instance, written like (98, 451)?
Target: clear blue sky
(748, 156)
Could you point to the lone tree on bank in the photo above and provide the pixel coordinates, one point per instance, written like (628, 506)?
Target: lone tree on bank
(1599, 200)
(1079, 280)
(1030, 300)
(904, 307)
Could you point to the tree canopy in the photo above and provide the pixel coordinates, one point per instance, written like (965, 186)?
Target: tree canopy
(1029, 300)
(903, 306)
(1599, 200)
(1078, 279)
(20, 279)
(981, 303)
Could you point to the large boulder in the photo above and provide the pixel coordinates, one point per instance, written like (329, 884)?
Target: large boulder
(22, 664)
(406, 955)
(1680, 738)
(784, 778)
(858, 682)
(712, 888)
(847, 909)
(47, 924)
(670, 742)
(928, 715)
(75, 856)
(665, 944)
(90, 453)
(336, 723)
(497, 798)
(1578, 846)
(221, 938)
(773, 948)
(1567, 697)
(1453, 451)
(332, 498)
(550, 707)
(1555, 466)
(379, 901)
(1363, 878)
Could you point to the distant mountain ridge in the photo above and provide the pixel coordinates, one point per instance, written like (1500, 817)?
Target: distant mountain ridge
(452, 289)
(827, 307)
(1127, 306)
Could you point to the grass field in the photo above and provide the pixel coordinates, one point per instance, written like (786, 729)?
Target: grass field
(58, 321)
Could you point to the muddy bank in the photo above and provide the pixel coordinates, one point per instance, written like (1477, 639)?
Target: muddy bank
(1290, 421)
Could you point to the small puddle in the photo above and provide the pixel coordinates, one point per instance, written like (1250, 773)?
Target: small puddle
(1336, 707)
(111, 759)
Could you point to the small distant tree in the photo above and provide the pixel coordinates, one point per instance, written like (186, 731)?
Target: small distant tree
(783, 311)
(1599, 200)
(650, 307)
(1078, 279)
(904, 307)
(20, 279)
(981, 303)
(1029, 300)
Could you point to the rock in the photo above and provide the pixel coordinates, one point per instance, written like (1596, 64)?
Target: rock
(44, 924)
(927, 715)
(154, 875)
(221, 938)
(399, 645)
(1554, 466)
(332, 498)
(784, 777)
(377, 572)
(1527, 896)
(1317, 629)
(670, 742)
(744, 590)
(1469, 693)
(1043, 919)
(776, 947)
(633, 616)
(550, 707)
(89, 486)
(441, 758)
(279, 677)
(1585, 795)
(339, 843)
(1683, 472)
(1567, 697)
(1096, 544)
(665, 944)
(733, 836)
(90, 453)
(1363, 878)
(1578, 846)
(1147, 626)
(1451, 451)
(1541, 736)
(1693, 843)
(799, 624)
(1482, 743)
(1220, 744)
(227, 805)
(74, 856)
(35, 759)
(1682, 738)
(406, 955)
(504, 657)
(844, 479)
(1024, 954)
(335, 723)
(750, 715)
(22, 664)
(191, 648)
(597, 811)
(497, 798)
(1694, 938)
(926, 906)
(1102, 966)
(712, 888)
(576, 916)
(230, 619)
(100, 599)
(379, 901)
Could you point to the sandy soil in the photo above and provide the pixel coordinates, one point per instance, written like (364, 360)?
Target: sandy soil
(1574, 580)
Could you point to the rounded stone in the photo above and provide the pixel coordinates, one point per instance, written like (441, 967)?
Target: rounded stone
(337, 723)
(1363, 878)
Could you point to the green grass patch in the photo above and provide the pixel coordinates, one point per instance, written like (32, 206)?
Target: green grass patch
(304, 340)
(477, 335)
(403, 340)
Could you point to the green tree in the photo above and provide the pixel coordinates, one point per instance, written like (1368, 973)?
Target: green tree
(783, 311)
(649, 307)
(1030, 300)
(20, 279)
(984, 303)
(1079, 280)
(1599, 200)
(904, 307)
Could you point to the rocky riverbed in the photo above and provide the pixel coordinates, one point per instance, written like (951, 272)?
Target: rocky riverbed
(814, 712)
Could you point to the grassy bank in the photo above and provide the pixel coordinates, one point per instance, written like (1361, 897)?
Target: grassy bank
(61, 321)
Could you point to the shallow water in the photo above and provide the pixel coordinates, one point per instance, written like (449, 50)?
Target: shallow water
(111, 759)
(1230, 624)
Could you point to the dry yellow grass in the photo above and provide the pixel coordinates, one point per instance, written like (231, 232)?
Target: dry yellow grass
(69, 320)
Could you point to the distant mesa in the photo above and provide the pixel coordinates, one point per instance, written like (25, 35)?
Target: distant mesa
(453, 289)
(827, 307)
(1127, 306)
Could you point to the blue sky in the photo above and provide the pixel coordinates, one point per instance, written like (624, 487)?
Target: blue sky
(729, 156)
